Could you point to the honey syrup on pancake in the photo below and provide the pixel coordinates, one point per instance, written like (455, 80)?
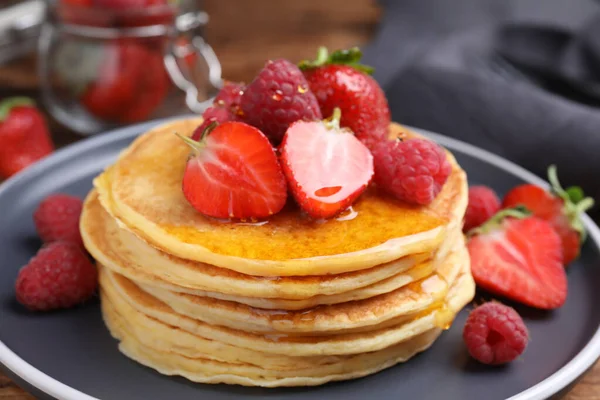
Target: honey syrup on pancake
(374, 219)
(144, 190)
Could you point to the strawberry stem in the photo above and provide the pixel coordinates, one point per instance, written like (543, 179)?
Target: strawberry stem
(575, 202)
(350, 57)
(12, 102)
(194, 145)
(494, 222)
(333, 122)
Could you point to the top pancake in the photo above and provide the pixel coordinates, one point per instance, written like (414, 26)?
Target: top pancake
(142, 191)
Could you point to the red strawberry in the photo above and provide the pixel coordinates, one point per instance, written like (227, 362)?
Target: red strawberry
(519, 257)
(338, 80)
(413, 170)
(225, 107)
(562, 208)
(278, 97)
(57, 219)
(483, 204)
(233, 172)
(24, 136)
(59, 276)
(152, 86)
(128, 4)
(326, 167)
(131, 83)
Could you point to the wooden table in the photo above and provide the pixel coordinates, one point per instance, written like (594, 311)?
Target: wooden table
(244, 34)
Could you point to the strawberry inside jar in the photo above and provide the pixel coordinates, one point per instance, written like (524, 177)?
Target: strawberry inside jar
(104, 62)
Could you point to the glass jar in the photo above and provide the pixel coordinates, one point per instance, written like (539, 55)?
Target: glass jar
(101, 68)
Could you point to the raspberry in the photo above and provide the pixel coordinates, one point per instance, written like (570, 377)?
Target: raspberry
(57, 218)
(59, 276)
(413, 170)
(230, 95)
(278, 96)
(483, 204)
(210, 115)
(495, 334)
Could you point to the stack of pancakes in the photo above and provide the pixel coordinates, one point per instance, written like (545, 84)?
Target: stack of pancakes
(285, 302)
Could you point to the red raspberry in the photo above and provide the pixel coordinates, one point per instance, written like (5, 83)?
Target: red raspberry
(57, 218)
(495, 334)
(59, 276)
(278, 96)
(210, 115)
(413, 170)
(483, 204)
(230, 96)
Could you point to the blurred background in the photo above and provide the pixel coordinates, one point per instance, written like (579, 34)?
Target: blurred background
(517, 77)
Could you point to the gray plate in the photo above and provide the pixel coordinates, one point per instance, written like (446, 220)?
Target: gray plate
(70, 355)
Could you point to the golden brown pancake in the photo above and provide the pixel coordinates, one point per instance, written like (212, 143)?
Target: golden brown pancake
(143, 192)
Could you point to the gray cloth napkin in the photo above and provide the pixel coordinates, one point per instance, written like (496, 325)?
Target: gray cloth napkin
(514, 77)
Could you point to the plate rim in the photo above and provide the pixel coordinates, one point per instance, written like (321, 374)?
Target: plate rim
(551, 385)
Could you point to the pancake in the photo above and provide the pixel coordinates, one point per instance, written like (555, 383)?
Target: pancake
(148, 344)
(122, 293)
(228, 364)
(371, 311)
(123, 252)
(142, 191)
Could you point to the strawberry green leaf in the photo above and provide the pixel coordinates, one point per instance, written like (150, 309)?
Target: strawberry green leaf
(575, 202)
(575, 194)
(494, 222)
(350, 57)
(12, 102)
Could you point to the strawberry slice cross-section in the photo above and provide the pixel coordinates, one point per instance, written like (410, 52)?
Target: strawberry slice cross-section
(327, 167)
(233, 172)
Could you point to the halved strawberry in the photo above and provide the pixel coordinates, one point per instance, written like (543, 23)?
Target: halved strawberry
(562, 208)
(519, 257)
(326, 167)
(233, 172)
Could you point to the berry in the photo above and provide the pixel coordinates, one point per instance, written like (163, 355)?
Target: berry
(276, 98)
(128, 4)
(338, 80)
(57, 219)
(413, 170)
(230, 96)
(495, 334)
(561, 207)
(24, 136)
(483, 204)
(233, 172)
(210, 116)
(326, 167)
(128, 83)
(59, 276)
(519, 257)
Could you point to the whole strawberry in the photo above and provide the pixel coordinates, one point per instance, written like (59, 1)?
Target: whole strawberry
(338, 80)
(519, 256)
(277, 97)
(413, 170)
(57, 219)
(59, 276)
(483, 204)
(24, 136)
(226, 107)
(233, 172)
(561, 207)
(327, 168)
